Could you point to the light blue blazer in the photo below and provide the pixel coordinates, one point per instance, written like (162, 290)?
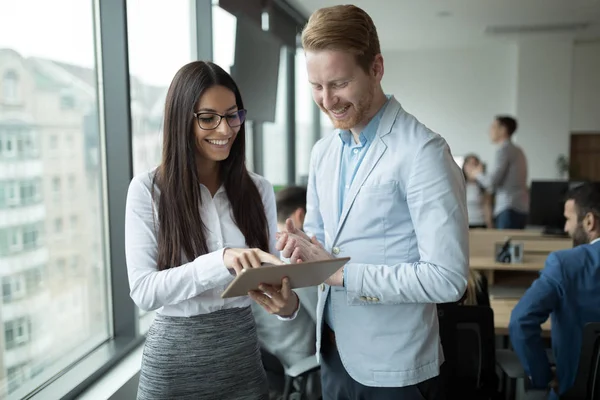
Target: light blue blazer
(404, 224)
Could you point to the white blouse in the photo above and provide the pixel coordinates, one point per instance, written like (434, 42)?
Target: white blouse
(195, 287)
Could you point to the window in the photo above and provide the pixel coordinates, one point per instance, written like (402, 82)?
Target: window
(10, 148)
(10, 87)
(275, 133)
(58, 226)
(41, 336)
(167, 51)
(6, 290)
(13, 194)
(16, 332)
(223, 38)
(16, 243)
(223, 43)
(56, 188)
(73, 222)
(305, 137)
(67, 101)
(31, 234)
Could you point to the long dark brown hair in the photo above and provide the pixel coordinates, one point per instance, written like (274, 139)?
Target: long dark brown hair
(180, 227)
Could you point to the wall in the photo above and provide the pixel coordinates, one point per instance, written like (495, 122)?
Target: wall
(552, 86)
(455, 92)
(585, 104)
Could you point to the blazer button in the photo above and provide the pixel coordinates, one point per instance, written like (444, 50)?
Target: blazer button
(335, 250)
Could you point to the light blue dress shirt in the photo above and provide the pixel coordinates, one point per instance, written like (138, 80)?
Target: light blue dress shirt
(352, 155)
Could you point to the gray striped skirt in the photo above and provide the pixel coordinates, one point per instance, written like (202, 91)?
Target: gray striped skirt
(208, 356)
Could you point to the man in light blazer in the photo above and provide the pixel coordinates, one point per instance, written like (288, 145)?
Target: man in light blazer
(385, 191)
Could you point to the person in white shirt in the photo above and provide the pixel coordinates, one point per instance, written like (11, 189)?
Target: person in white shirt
(191, 225)
(479, 202)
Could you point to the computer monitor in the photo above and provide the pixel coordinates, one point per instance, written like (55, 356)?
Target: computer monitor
(546, 205)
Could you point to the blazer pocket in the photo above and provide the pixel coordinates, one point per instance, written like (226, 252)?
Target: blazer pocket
(384, 188)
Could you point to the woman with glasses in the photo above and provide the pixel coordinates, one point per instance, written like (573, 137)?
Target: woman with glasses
(191, 225)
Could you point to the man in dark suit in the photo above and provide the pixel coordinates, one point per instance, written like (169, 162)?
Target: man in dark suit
(567, 291)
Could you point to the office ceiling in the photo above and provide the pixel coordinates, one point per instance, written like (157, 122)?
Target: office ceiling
(411, 24)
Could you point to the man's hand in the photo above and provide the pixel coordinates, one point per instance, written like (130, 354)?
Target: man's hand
(289, 228)
(299, 248)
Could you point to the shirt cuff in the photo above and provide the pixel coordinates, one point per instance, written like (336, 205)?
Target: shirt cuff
(295, 314)
(211, 269)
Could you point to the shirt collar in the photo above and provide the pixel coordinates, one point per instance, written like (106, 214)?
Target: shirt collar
(370, 130)
(595, 240)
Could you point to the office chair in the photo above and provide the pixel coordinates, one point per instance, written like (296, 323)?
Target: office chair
(467, 336)
(292, 382)
(587, 382)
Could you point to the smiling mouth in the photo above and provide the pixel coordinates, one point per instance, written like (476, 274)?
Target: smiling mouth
(220, 142)
(339, 111)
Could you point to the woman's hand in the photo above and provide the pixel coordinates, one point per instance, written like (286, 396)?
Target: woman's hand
(238, 259)
(280, 300)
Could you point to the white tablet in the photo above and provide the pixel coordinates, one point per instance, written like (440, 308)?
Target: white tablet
(300, 275)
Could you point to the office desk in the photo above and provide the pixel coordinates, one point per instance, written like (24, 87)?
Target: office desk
(502, 309)
(534, 262)
(518, 276)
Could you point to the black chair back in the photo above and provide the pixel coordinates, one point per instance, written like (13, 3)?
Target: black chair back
(467, 336)
(587, 382)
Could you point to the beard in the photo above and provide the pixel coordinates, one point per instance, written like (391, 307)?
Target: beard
(361, 109)
(580, 236)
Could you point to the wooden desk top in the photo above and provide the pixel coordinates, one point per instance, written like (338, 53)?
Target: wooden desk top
(502, 309)
(482, 242)
(533, 262)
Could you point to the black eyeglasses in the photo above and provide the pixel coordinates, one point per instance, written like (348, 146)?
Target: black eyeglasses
(209, 120)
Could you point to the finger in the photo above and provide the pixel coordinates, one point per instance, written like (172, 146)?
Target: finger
(237, 265)
(285, 287)
(245, 261)
(254, 259)
(262, 301)
(237, 269)
(288, 249)
(276, 300)
(281, 242)
(270, 258)
(289, 226)
(314, 240)
(296, 255)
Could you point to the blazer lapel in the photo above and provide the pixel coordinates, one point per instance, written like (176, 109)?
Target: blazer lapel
(371, 159)
(374, 154)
